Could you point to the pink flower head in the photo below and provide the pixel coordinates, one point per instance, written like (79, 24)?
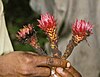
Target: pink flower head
(47, 22)
(82, 28)
(26, 30)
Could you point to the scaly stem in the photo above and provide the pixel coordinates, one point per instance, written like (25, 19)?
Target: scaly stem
(53, 38)
(34, 43)
(72, 43)
(39, 50)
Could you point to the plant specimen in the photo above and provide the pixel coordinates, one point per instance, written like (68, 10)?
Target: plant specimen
(80, 31)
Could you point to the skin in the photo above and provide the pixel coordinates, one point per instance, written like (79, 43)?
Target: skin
(68, 72)
(21, 64)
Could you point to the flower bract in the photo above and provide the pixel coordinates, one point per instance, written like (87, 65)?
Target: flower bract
(81, 29)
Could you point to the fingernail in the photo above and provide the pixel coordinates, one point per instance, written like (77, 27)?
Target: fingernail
(68, 64)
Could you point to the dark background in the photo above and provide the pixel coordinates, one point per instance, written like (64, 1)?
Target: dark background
(18, 13)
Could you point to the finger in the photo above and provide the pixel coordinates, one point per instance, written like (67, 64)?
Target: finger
(33, 53)
(41, 71)
(55, 75)
(63, 73)
(73, 71)
(30, 53)
(50, 61)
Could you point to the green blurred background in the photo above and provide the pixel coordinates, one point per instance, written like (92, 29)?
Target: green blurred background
(18, 13)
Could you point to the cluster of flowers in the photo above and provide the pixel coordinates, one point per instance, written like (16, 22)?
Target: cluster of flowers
(80, 30)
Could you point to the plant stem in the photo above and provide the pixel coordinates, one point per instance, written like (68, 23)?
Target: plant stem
(53, 38)
(72, 43)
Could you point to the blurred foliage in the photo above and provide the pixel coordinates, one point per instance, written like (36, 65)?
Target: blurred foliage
(17, 14)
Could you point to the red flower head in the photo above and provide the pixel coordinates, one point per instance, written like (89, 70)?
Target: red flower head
(28, 35)
(81, 29)
(47, 22)
(25, 32)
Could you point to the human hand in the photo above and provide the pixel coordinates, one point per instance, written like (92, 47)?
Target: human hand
(21, 64)
(67, 72)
